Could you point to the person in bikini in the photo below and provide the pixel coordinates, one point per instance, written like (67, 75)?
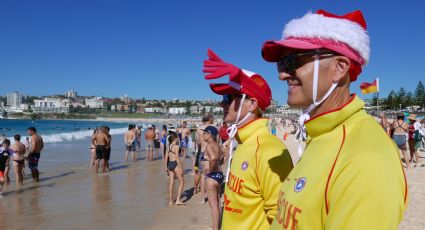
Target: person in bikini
(37, 145)
(399, 128)
(108, 148)
(93, 150)
(201, 162)
(5, 153)
(214, 175)
(18, 160)
(174, 168)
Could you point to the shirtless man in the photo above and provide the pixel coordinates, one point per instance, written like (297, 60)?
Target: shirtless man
(207, 120)
(156, 141)
(130, 142)
(214, 176)
(400, 130)
(37, 145)
(101, 141)
(19, 150)
(184, 143)
(150, 146)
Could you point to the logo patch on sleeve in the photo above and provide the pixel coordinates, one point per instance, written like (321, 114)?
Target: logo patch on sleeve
(300, 184)
(244, 165)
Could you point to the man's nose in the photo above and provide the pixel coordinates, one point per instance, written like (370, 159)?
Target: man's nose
(284, 76)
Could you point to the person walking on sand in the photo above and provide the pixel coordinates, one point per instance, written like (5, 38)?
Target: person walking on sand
(150, 145)
(101, 141)
(19, 150)
(174, 169)
(37, 145)
(130, 143)
(214, 175)
(349, 175)
(400, 130)
(414, 139)
(261, 162)
(5, 154)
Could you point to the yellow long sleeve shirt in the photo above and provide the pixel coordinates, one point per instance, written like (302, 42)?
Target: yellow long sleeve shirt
(259, 165)
(349, 177)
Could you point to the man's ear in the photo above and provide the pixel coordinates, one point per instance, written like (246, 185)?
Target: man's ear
(253, 104)
(340, 68)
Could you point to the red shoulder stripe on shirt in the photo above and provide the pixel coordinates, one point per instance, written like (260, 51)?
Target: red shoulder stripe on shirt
(256, 161)
(330, 174)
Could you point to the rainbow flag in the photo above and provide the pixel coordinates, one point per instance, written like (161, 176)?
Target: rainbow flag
(367, 87)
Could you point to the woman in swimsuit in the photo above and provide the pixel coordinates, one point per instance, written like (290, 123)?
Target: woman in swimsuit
(19, 150)
(399, 128)
(174, 167)
(93, 151)
(214, 176)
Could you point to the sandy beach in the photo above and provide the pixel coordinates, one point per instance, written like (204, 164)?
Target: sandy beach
(72, 196)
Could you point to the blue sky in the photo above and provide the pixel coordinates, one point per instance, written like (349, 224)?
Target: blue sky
(155, 49)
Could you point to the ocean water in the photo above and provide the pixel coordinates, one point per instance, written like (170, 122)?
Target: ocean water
(54, 131)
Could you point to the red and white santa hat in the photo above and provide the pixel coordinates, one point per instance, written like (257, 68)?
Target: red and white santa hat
(345, 34)
(240, 81)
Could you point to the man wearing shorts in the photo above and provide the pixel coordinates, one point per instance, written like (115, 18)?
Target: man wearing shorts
(350, 175)
(156, 142)
(261, 161)
(130, 143)
(37, 145)
(101, 141)
(150, 145)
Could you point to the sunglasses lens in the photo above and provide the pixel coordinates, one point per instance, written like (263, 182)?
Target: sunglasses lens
(226, 98)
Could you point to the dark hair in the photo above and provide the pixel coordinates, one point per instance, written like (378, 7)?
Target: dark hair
(17, 137)
(130, 126)
(32, 129)
(153, 126)
(6, 141)
(207, 117)
(164, 127)
(173, 136)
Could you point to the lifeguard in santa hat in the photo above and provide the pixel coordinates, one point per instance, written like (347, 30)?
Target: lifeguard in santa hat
(261, 162)
(350, 175)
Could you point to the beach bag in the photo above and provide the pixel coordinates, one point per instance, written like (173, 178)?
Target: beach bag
(417, 136)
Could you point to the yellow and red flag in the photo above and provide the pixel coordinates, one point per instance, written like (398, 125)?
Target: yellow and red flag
(367, 87)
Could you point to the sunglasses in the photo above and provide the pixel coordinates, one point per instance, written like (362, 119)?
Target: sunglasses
(290, 63)
(228, 98)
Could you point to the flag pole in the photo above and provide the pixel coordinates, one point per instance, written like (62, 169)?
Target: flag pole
(377, 97)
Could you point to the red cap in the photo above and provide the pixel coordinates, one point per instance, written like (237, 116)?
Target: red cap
(240, 81)
(345, 34)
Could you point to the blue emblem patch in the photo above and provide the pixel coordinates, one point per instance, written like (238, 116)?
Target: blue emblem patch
(300, 184)
(244, 165)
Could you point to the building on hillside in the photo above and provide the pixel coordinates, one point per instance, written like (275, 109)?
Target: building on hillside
(177, 110)
(126, 99)
(51, 105)
(95, 102)
(71, 94)
(14, 100)
(155, 110)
